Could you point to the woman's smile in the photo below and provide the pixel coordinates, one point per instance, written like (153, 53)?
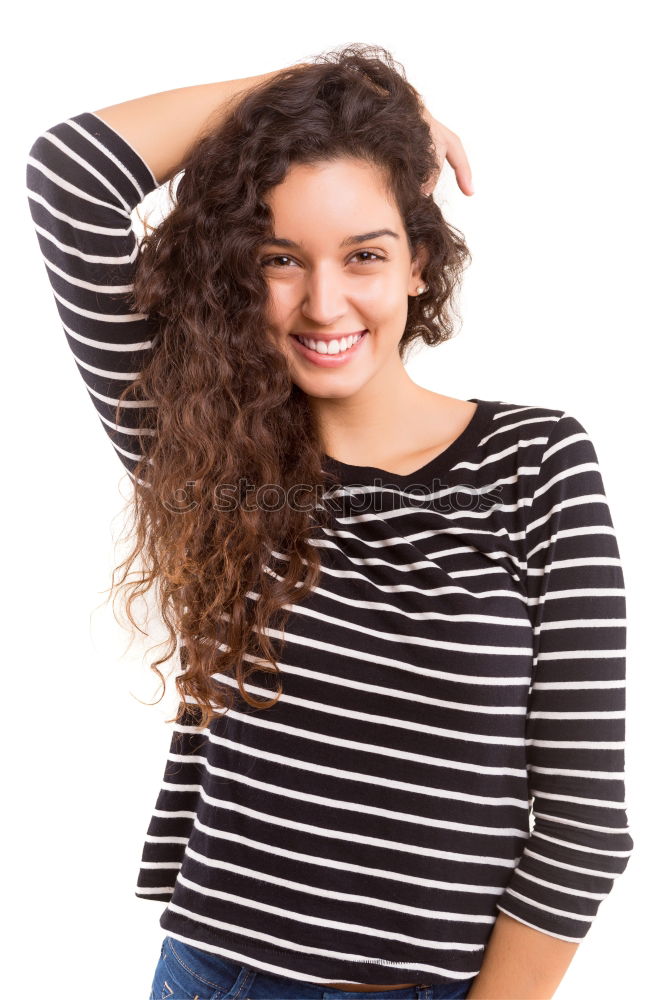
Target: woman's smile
(341, 352)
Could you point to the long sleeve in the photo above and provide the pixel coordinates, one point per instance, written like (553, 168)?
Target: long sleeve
(83, 181)
(580, 840)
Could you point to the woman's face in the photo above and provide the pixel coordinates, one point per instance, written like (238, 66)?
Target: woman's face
(340, 266)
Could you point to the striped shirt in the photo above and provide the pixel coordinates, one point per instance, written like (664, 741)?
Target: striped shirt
(450, 738)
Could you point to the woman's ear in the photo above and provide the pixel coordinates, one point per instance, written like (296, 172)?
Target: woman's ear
(419, 264)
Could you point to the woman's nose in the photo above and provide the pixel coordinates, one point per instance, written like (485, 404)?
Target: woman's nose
(324, 299)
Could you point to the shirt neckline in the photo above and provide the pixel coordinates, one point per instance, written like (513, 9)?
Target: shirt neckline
(440, 464)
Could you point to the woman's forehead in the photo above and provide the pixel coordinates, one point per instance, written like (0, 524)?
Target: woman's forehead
(342, 197)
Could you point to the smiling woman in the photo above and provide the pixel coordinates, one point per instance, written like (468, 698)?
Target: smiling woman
(440, 576)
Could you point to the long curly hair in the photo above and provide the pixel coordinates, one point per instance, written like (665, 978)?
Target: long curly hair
(227, 417)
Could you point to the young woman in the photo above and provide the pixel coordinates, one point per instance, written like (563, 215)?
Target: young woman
(397, 764)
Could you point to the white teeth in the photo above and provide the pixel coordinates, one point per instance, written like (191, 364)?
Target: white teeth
(333, 346)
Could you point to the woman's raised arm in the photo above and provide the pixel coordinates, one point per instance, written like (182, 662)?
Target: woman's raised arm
(162, 127)
(84, 176)
(83, 181)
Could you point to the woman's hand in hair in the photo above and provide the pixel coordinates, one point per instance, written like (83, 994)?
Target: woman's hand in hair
(448, 147)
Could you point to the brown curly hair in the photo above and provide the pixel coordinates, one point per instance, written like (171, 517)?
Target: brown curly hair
(226, 411)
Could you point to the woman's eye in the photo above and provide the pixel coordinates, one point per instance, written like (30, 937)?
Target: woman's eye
(279, 256)
(283, 257)
(372, 254)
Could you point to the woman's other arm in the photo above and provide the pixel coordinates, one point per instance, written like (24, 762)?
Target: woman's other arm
(521, 963)
(575, 728)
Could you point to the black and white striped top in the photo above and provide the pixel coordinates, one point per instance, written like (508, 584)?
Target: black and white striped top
(449, 742)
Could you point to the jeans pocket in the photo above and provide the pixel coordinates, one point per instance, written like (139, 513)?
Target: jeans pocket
(457, 991)
(187, 973)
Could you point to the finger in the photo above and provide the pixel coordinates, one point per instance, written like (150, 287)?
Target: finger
(456, 156)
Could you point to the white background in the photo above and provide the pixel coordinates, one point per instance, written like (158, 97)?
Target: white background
(560, 109)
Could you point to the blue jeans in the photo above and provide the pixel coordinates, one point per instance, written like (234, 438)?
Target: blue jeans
(187, 973)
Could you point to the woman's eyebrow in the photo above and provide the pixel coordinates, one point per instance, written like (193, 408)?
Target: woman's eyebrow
(349, 241)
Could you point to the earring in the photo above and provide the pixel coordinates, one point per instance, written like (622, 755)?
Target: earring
(420, 289)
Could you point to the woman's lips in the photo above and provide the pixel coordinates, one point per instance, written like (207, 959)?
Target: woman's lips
(328, 360)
